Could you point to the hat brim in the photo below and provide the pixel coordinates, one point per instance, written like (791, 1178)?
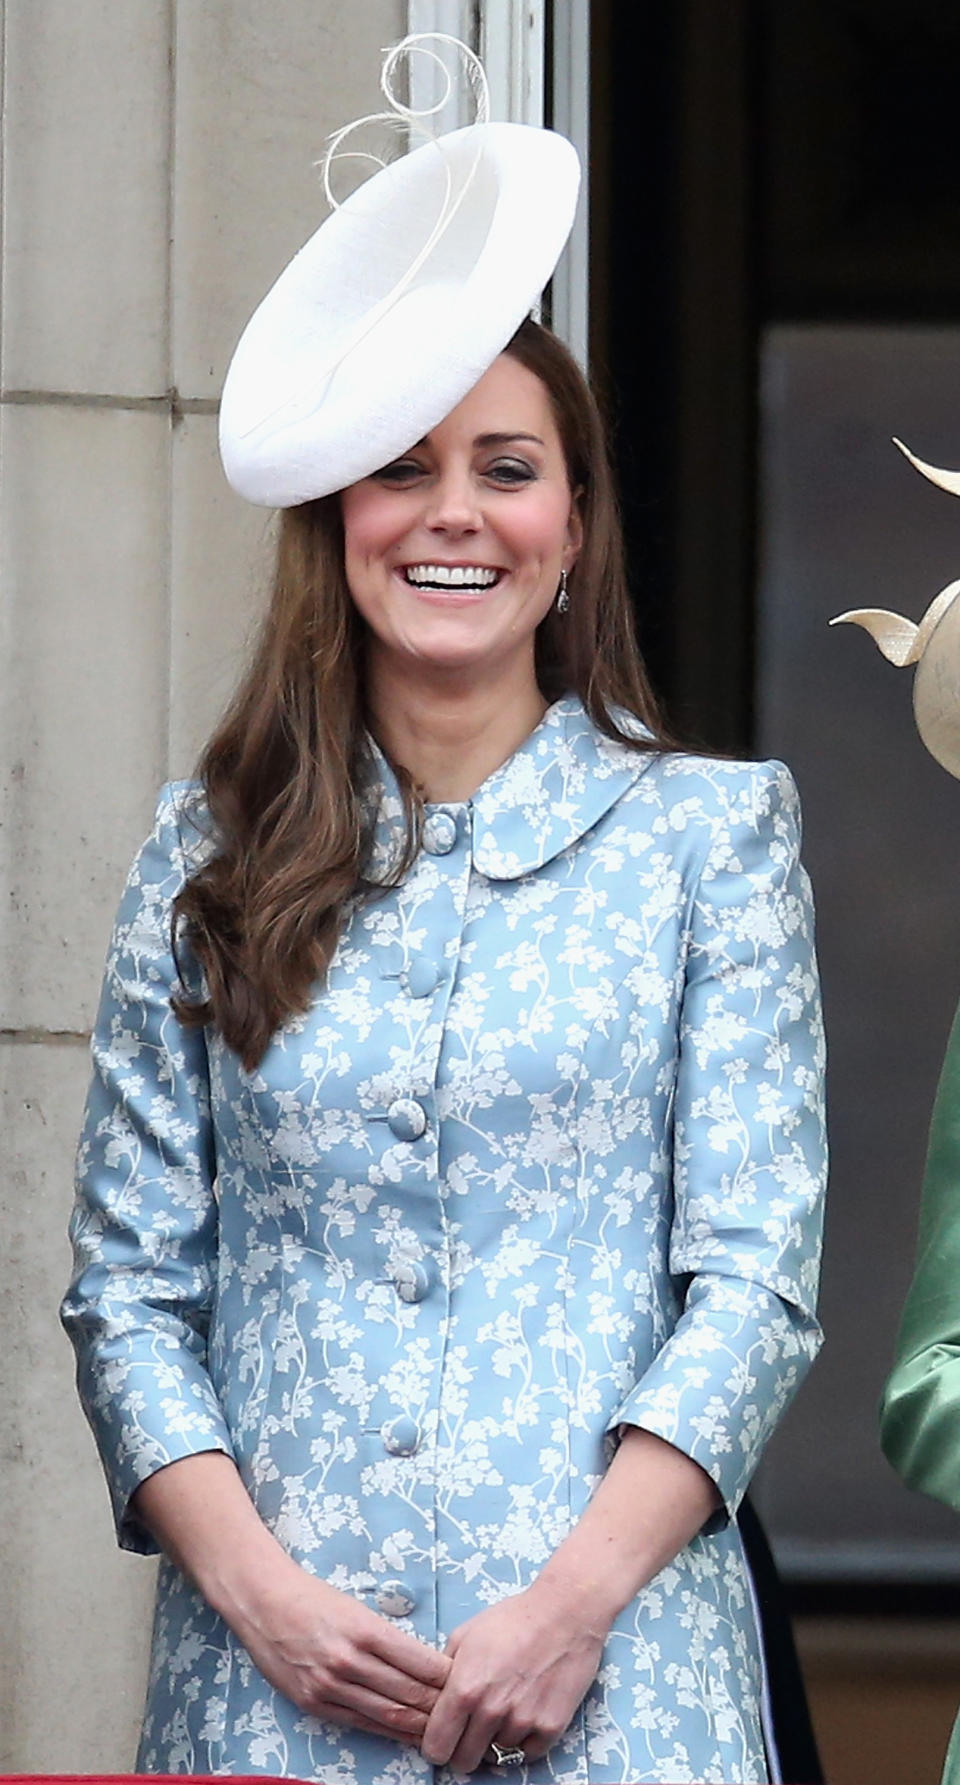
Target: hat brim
(382, 323)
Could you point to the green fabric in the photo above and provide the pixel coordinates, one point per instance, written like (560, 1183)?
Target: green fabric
(951, 1766)
(920, 1409)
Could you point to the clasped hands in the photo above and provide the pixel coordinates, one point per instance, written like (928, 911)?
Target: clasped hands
(517, 1672)
(514, 1674)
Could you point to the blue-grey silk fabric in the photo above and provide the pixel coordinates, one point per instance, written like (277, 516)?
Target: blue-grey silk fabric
(543, 1157)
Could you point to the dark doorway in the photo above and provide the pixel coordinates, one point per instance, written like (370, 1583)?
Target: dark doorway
(673, 339)
(753, 162)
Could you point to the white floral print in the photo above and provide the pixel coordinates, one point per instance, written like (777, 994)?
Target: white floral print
(544, 1158)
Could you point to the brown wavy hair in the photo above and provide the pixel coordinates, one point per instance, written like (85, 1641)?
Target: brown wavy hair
(282, 772)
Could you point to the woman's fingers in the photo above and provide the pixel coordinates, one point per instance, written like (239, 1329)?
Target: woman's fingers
(389, 1683)
(383, 1671)
(461, 1727)
(509, 1731)
(407, 1654)
(346, 1669)
(404, 1706)
(346, 1718)
(478, 1733)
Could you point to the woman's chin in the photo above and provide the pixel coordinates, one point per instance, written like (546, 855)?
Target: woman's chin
(449, 649)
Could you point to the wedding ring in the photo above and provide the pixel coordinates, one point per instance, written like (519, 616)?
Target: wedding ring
(507, 1756)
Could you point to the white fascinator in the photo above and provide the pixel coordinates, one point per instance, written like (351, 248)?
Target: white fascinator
(933, 644)
(403, 297)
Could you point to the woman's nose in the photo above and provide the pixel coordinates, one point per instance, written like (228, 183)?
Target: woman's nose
(454, 506)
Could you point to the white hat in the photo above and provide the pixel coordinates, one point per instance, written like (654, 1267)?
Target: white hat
(933, 645)
(397, 305)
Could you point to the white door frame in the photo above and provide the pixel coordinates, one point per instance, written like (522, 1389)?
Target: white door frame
(570, 311)
(510, 37)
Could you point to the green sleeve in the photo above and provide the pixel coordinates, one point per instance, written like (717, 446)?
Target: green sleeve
(920, 1409)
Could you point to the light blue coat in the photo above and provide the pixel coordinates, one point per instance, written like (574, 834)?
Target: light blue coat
(543, 1158)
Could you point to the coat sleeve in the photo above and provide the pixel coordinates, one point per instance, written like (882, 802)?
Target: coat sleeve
(920, 1409)
(749, 1144)
(144, 1225)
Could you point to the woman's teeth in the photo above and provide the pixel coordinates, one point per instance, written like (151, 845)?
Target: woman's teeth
(451, 576)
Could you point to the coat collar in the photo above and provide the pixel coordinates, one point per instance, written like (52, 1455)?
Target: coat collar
(561, 781)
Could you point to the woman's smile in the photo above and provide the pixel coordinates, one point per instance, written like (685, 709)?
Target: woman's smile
(459, 581)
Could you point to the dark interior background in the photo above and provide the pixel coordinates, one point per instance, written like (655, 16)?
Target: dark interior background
(775, 290)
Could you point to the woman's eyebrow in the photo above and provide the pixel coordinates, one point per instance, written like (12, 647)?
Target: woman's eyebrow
(499, 439)
(504, 439)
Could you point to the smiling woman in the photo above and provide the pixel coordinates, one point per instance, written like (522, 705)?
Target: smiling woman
(449, 684)
(449, 1195)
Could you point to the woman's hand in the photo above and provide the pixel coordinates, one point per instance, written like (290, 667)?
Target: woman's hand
(520, 1669)
(340, 1661)
(323, 1650)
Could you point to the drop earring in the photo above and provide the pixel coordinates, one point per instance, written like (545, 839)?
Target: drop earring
(563, 598)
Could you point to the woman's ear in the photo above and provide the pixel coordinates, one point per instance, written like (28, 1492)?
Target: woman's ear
(574, 539)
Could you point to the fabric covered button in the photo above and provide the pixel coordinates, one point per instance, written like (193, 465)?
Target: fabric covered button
(421, 978)
(407, 1118)
(394, 1600)
(411, 1280)
(439, 833)
(401, 1436)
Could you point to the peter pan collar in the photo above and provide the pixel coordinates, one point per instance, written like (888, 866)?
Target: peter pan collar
(561, 781)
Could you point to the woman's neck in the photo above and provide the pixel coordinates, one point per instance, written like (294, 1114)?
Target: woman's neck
(448, 736)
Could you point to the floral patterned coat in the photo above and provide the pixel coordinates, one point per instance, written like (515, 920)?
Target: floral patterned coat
(543, 1158)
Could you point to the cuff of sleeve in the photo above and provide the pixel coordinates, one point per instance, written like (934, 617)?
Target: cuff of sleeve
(131, 1453)
(721, 1382)
(919, 1424)
(132, 1534)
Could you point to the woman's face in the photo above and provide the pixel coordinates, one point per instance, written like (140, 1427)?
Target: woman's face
(454, 552)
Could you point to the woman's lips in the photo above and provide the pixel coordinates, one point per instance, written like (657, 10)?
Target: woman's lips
(459, 594)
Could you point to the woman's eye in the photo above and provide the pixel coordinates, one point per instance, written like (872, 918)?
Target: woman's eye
(511, 471)
(401, 471)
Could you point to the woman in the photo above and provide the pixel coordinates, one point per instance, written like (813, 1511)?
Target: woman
(921, 1399)
(448, 1214)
